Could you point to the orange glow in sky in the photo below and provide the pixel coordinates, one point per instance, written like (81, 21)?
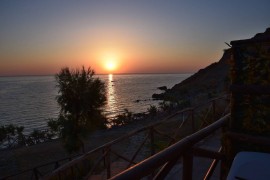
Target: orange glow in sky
(41, 37)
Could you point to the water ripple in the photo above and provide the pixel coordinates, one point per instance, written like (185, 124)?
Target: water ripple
(30, 101)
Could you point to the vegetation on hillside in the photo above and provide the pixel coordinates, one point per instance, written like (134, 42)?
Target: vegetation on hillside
(13, 136)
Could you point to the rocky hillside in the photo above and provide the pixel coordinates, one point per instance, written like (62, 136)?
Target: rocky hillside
(210, 81)
(206, 83)
(262, 36)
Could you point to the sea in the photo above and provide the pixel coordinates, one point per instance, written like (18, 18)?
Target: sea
(30, 101)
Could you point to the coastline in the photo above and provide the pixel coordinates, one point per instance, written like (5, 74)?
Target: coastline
(22, 158)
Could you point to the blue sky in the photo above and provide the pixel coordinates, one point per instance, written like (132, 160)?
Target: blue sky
(40, 37)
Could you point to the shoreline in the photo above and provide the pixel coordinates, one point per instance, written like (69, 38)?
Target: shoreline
(22, 158)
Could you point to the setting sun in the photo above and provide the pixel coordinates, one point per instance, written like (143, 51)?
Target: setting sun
(110, 65)
(110, 62)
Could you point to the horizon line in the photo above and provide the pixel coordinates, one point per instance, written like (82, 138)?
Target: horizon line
(29, 75)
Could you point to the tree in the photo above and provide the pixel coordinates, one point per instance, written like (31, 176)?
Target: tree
(152, 110)
(123, 118)
(81, 98)
(10, 134)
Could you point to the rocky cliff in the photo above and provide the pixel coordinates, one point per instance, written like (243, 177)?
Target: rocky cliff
(208, 82)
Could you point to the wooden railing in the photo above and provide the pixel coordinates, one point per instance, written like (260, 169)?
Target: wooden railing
(39, 171)
(138, 145)
(167, 158)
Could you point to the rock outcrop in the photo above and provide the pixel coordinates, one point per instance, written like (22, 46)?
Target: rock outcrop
(206, 83)
(210, 81)
(263, 36)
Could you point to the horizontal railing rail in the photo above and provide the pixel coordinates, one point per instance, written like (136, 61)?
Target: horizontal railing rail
(171, 153)
(250, 89)
(35, 173)
(114, 142)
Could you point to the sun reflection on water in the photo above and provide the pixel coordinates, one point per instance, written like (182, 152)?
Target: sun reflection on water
(111, 96)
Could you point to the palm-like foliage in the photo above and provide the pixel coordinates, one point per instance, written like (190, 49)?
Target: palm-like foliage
(81, 97)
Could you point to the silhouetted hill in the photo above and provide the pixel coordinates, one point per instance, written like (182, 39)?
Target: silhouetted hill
(210, 81)
(207, 82)
(263, 36)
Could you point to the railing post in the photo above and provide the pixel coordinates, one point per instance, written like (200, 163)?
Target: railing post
(212, 167)
(222, 172)
(104, 157)
(192, 120)
(187, 165)
(108, 160)
(59, 175)
(56, 165)
(214, 110)
(72, 172)
(223, 162)
(152, 141)
(36, 173)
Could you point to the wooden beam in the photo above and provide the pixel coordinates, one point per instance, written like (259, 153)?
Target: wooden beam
(258, 140)
(207, 153)
(250, 89)
(187, 165)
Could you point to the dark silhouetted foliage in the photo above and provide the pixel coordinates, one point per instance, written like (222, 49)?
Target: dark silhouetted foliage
(152, 110)
(81, 98)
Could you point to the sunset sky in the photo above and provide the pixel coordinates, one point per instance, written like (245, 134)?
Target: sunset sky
(39, 37)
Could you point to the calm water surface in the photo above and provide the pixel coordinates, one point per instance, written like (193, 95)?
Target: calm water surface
(30, 101)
